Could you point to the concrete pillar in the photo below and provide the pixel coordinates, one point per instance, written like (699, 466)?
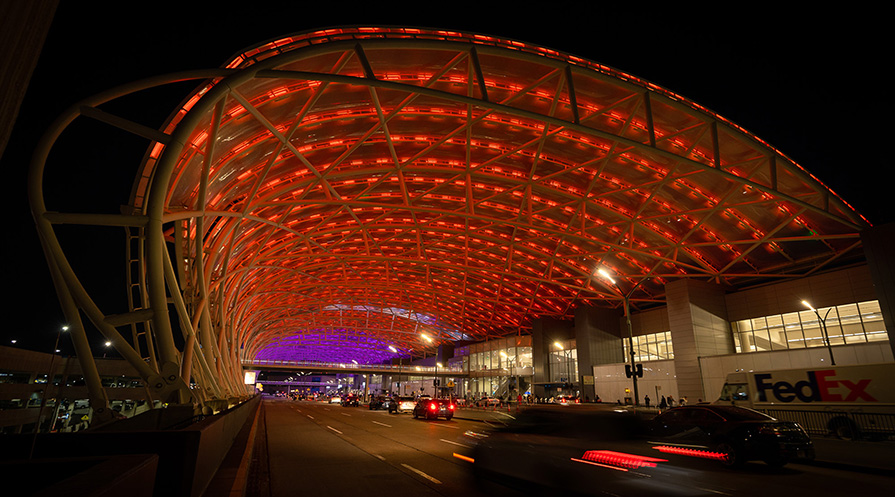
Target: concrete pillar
(598, 336)
(879, 245)
(697, 315)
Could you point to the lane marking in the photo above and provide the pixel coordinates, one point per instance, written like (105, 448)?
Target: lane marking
(335, 430)
(424, 475)
(312, 417)
(382, 424)
(344, 414)
(455, 443)
(377, 456)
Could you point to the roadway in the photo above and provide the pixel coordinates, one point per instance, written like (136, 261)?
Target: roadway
(313, 448)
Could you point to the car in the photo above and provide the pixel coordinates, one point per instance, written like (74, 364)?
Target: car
(405, 404)
(350, 400)
(434, 408)
(488, 402)
(335, 399)
(384, 402)
(729, 434)
(591, 450)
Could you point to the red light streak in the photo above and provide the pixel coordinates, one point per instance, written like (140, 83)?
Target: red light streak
(704, 454)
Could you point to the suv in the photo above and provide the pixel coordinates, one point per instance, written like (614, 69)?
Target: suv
(350, 401)
(433, 408)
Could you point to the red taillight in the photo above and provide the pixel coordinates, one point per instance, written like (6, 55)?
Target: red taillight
(433, 406)
(451, 406)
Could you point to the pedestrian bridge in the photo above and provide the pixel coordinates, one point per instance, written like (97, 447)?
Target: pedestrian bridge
(351, 368)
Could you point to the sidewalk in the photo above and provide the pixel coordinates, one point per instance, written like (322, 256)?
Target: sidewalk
(832, 452)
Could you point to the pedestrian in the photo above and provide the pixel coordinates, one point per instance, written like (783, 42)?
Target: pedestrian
(670, 401)
(663, 404)
(684, 400)
(597, 399)
(646, 400)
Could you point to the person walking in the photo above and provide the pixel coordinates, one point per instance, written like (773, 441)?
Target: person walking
(663, 404)
(646, 400)
(670, 402)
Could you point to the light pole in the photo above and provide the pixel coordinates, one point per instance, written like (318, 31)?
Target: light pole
(428, 339)
(627, 297)
(568, 364)
(400, 360)
(823, 325)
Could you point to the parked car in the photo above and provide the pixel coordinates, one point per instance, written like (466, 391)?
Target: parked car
(434, 408)
(730, 434)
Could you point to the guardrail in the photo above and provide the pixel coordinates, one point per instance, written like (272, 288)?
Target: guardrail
(843, 424)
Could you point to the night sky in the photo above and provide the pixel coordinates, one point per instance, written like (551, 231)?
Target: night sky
(809, 83)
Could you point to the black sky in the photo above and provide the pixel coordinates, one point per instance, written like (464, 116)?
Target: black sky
(809, 83)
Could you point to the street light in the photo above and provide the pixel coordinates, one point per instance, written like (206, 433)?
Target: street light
(823, 324)
(627, 297)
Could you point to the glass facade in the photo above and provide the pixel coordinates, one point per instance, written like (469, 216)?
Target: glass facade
(846, 324)
(652, 347)
(562, 365)
(499, 367)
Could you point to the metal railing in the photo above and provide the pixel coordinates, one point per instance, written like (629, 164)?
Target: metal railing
(843, 424)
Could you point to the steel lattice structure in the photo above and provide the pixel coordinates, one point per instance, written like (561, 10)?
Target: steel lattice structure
(334, 193)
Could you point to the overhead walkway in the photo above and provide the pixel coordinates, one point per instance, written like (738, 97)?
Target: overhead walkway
(349, 368)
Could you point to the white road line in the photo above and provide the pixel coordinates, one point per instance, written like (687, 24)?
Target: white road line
(377, 456)
(382, 424)
(312, 417)
(335, 430)
(455, 443)
(345, 414)
(424, 475)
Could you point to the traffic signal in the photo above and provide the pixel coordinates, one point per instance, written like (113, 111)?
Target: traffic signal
(638, 370)
(627, 370)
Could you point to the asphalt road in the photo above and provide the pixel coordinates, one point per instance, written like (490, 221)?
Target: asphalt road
(319, 449)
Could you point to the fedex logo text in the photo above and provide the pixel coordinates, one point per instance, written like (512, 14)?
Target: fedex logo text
(821, 386)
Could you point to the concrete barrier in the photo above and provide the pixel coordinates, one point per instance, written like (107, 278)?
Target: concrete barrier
(187, 458)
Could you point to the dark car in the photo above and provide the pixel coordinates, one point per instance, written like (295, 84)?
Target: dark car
(350, 401)
(590, 450)
(384, 402)
(434, 408)
(732, 435)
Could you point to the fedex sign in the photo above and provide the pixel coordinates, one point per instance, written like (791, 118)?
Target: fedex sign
(820, 386)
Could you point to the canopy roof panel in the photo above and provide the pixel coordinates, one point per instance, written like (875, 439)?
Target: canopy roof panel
(345, 190)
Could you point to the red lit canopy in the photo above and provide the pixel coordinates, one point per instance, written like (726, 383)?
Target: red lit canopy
(338, 192)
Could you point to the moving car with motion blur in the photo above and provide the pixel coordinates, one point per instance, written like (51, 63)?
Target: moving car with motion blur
(617, 450)
(350, 400)
(729, 434)
(434, 408)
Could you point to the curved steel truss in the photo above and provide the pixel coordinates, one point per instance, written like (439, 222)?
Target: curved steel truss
(334, 195)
